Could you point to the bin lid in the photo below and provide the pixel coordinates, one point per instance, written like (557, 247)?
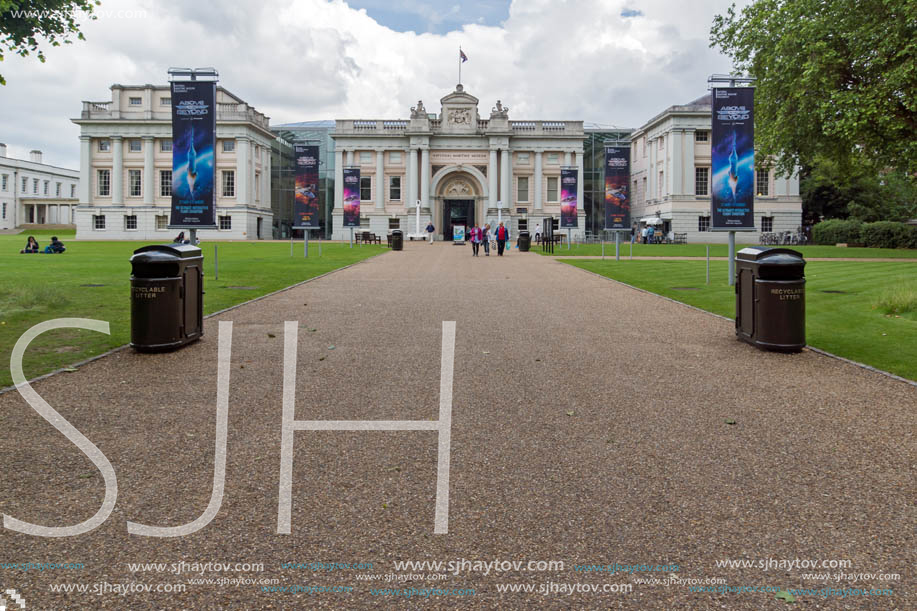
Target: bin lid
(166, 252)
(398, 231)
(764, 255)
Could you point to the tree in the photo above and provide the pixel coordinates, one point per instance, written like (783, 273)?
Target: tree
(23, 22)
(831, 189)
(834, 77)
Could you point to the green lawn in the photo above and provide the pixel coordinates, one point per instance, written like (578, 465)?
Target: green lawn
(722, 250)
(846, 323)
(35, 288)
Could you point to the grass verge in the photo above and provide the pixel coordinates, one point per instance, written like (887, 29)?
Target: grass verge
(92, 280)
(722, 250)
(842, 297)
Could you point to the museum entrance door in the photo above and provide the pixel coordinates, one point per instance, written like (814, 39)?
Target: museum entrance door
(457, 212)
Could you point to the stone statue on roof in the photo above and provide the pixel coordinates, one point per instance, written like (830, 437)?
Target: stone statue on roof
(499, 111)
(418, 112)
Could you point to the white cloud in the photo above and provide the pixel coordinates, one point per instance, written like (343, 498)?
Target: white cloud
(312, 59)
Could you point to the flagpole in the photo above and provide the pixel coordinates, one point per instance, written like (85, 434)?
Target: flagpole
(460, 64)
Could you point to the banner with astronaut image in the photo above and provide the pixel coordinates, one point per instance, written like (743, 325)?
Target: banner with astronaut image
(193, 144)
(732, 199)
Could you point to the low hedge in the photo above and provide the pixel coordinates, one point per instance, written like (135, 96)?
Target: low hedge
(881, 234)
(836, 231)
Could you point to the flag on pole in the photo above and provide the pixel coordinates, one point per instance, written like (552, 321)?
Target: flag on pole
(462, 56)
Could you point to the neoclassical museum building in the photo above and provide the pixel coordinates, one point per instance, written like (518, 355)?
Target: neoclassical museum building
(461, 168)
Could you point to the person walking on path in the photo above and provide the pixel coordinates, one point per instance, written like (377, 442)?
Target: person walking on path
(643, 234)
(430, 230)
(487, 237)
(650, 232)
(502, 238)
(475, 236)
(538, 233)
(633, 234)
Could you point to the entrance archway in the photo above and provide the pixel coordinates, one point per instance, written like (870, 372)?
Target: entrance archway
(459, 198)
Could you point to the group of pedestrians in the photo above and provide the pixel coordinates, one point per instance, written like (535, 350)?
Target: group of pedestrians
(54, 248)
(484, 235)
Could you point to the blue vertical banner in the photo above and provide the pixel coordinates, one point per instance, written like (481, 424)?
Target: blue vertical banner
(568, 182)
(732, 199)
(617, 198)
(193, 145)
(351, 197)
(305, 206)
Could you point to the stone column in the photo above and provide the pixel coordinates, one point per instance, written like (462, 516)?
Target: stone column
(425, 178)
(242, 154)
(688, 163)
(350, 157)
(339, 179)
(148, 171)
(505, 175)
(85, 170)
(117, 171)
(579, 183)
(412, 176)
(266, 178)
(568, 158)
(380, 179)
(492, 179)
(651, 172)
(538, 180)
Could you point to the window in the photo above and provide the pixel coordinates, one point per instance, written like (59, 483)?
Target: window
(134, 146)
(522, 191)
(135, 101)
(98, 221)
(364, 222)
(25, 185)
(366, 188)
(660, 186)
(761, 182)
(394, 223)
(47, 185)
(767, 224)
(523, 225)
(229, 183)
(6, 180)
(165, 183)
(58, 189)
(134, 183)
(366, 157)
(72, 190)
(165, 146)
(130, 222)
(104, 146)
(4, 210)
(104, 183)
(394, 188)
(701, 136)
(701, 181)
(35, 186)
(703, 223)
(257, 186)
(522, 157)
(552, 188)
(394, 157)
(225, 222)
(165, 101)
(162, 222)
(229, 146)
(553, 157)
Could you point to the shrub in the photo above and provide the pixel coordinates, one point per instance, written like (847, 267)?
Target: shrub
(835, 231)
(898, 301)
(886, 234)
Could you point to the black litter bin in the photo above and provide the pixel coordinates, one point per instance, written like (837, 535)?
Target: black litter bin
(397, 240)
(525, 241)
(166, 297)
(771, 298)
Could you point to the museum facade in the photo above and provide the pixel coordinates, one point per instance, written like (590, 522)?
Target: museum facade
(459, 168)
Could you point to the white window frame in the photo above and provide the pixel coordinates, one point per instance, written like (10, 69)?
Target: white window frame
(369, 189)
(697, 181)
(165, 186)
(128, 220)
(133, 173)
(229, 146)
(6, 181)
(556, 189)
(132, 143)
(392, 187)
(46, 188)
(165, 146)
(165, 101)
(106, 173)
(225, 222)
(162, 222)
(519, 180)
(72, 191)
(703, 223)
(98, 222)
(25, 184)
(104, 145)
(765, 192)
(702, 135)
(34, 186)
(134, 101)
(228, 177)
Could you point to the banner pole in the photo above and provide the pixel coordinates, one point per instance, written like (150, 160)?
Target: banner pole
(305, 243)
(603, 246)
(732, 257)
(569, 237)
(351, 237)
(617, 245)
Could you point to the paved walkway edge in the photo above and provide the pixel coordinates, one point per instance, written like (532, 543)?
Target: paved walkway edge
(688, 305)
(238, 305)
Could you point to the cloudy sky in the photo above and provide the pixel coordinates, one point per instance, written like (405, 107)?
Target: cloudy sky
(613, 62)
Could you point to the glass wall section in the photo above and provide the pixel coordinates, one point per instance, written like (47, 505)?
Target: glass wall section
(313, 133)
(594, 144)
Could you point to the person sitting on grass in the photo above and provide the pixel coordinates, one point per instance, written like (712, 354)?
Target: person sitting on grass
(55, 247)
(30, 246)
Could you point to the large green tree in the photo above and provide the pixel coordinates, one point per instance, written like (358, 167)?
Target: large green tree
(836, 78)
(24, 22)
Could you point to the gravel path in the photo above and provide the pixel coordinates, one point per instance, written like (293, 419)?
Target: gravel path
(589, 427)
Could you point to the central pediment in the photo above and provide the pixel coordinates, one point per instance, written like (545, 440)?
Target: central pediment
(459, 112)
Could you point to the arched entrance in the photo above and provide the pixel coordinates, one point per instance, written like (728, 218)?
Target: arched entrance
(459, 197)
